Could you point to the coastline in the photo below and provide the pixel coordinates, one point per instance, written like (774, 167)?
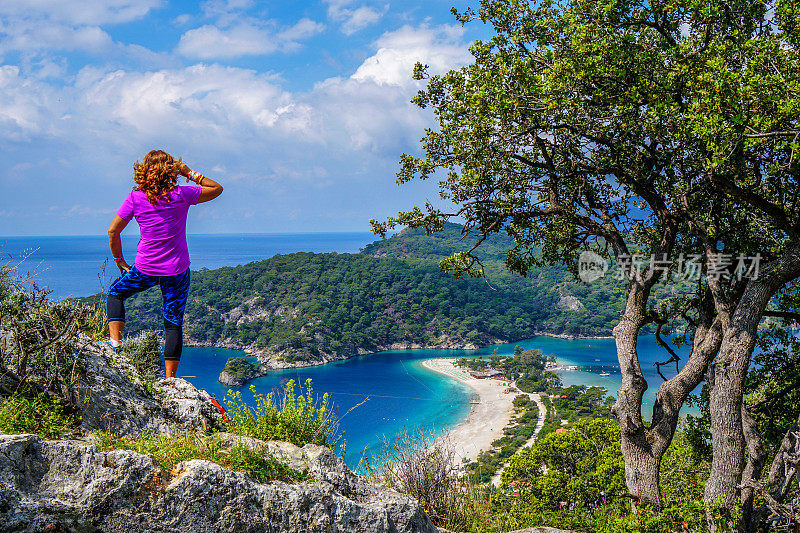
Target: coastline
(272, 360)
(486, 419)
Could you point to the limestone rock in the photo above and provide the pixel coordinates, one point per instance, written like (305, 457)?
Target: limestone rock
(115, 398)
(79, 488)
(570, 303)
(318, 461)
(226, 378)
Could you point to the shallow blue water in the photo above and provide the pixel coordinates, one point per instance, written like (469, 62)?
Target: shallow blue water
(400, 394)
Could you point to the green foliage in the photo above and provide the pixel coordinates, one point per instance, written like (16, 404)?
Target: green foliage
(240, 368)
(170, 450)
(521, 401)
(577, 467)
(773, 382)
(579, 401)
(42, 415)
(305, 305)
(39, 349)
(414, 464)
(526, 368)
(299, 418)
(144, 351)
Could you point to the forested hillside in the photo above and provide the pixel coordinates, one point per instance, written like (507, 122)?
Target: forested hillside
(581, 309)
(315, 307)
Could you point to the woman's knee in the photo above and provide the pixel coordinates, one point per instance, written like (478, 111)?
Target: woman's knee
(173, 342)
(115, 308)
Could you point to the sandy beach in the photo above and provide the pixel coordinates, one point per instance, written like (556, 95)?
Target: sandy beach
(486, 419)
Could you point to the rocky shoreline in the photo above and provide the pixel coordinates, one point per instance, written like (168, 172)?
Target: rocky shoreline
(228, 379)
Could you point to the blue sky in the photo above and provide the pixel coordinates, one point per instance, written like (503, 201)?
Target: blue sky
(300, 109)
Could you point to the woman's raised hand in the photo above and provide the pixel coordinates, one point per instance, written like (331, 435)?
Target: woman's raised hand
(184, 170)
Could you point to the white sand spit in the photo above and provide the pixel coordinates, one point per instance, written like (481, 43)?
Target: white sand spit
(486, 419)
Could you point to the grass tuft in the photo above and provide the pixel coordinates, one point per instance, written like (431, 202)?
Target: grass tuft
(171, 450)
(297, 418)
(43, 416)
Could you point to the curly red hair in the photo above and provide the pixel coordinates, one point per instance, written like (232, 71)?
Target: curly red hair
(156, 175)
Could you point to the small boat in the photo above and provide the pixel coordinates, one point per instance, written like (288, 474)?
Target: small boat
(603, 374)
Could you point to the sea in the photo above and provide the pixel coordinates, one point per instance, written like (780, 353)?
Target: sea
(376, 397)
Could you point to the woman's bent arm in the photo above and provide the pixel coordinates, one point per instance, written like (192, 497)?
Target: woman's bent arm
(209, 189)
(115, 243)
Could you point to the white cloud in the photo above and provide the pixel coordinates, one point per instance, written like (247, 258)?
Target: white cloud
(231, 107)
(441, 48)
(27, 106)
(213, 8)
(79, 12)
(39, 35)
(244, 38)
(353, 20)
(275, 147)
(361, 18)
(371, 109)
(212, 42)
(211, 104)
(303, 29)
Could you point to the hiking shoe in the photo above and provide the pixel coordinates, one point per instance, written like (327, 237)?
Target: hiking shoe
(113, 345)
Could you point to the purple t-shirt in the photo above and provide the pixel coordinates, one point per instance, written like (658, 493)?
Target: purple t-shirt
(162, 249)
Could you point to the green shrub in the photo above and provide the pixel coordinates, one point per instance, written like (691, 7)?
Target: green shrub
(297, 418)
(43, 416)
(521, 401)
(426, 469)
(144, 352)
(170, 450)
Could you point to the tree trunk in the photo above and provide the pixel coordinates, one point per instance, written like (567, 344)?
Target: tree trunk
(643, 448)
(727, 380)
(756, 457)
(641, 466)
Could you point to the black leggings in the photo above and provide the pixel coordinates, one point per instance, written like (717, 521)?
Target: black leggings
(173, 333)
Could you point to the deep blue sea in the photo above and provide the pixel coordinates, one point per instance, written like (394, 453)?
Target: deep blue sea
(377, 396)
(74, 266)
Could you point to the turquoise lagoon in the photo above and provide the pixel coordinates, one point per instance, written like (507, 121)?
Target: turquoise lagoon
(399, 395)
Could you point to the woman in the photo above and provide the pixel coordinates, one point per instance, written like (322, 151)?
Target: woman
(160, 207)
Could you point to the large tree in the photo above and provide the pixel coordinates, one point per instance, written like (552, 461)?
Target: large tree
(666, 130)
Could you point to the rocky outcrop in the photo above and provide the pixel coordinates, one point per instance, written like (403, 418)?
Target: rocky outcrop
(79, 488)
(71, 485)
(570, 303)
(115, 398)
(276, 360)
(229, 380)
(240, 377)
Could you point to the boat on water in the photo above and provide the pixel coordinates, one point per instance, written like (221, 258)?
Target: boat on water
(604, 374)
